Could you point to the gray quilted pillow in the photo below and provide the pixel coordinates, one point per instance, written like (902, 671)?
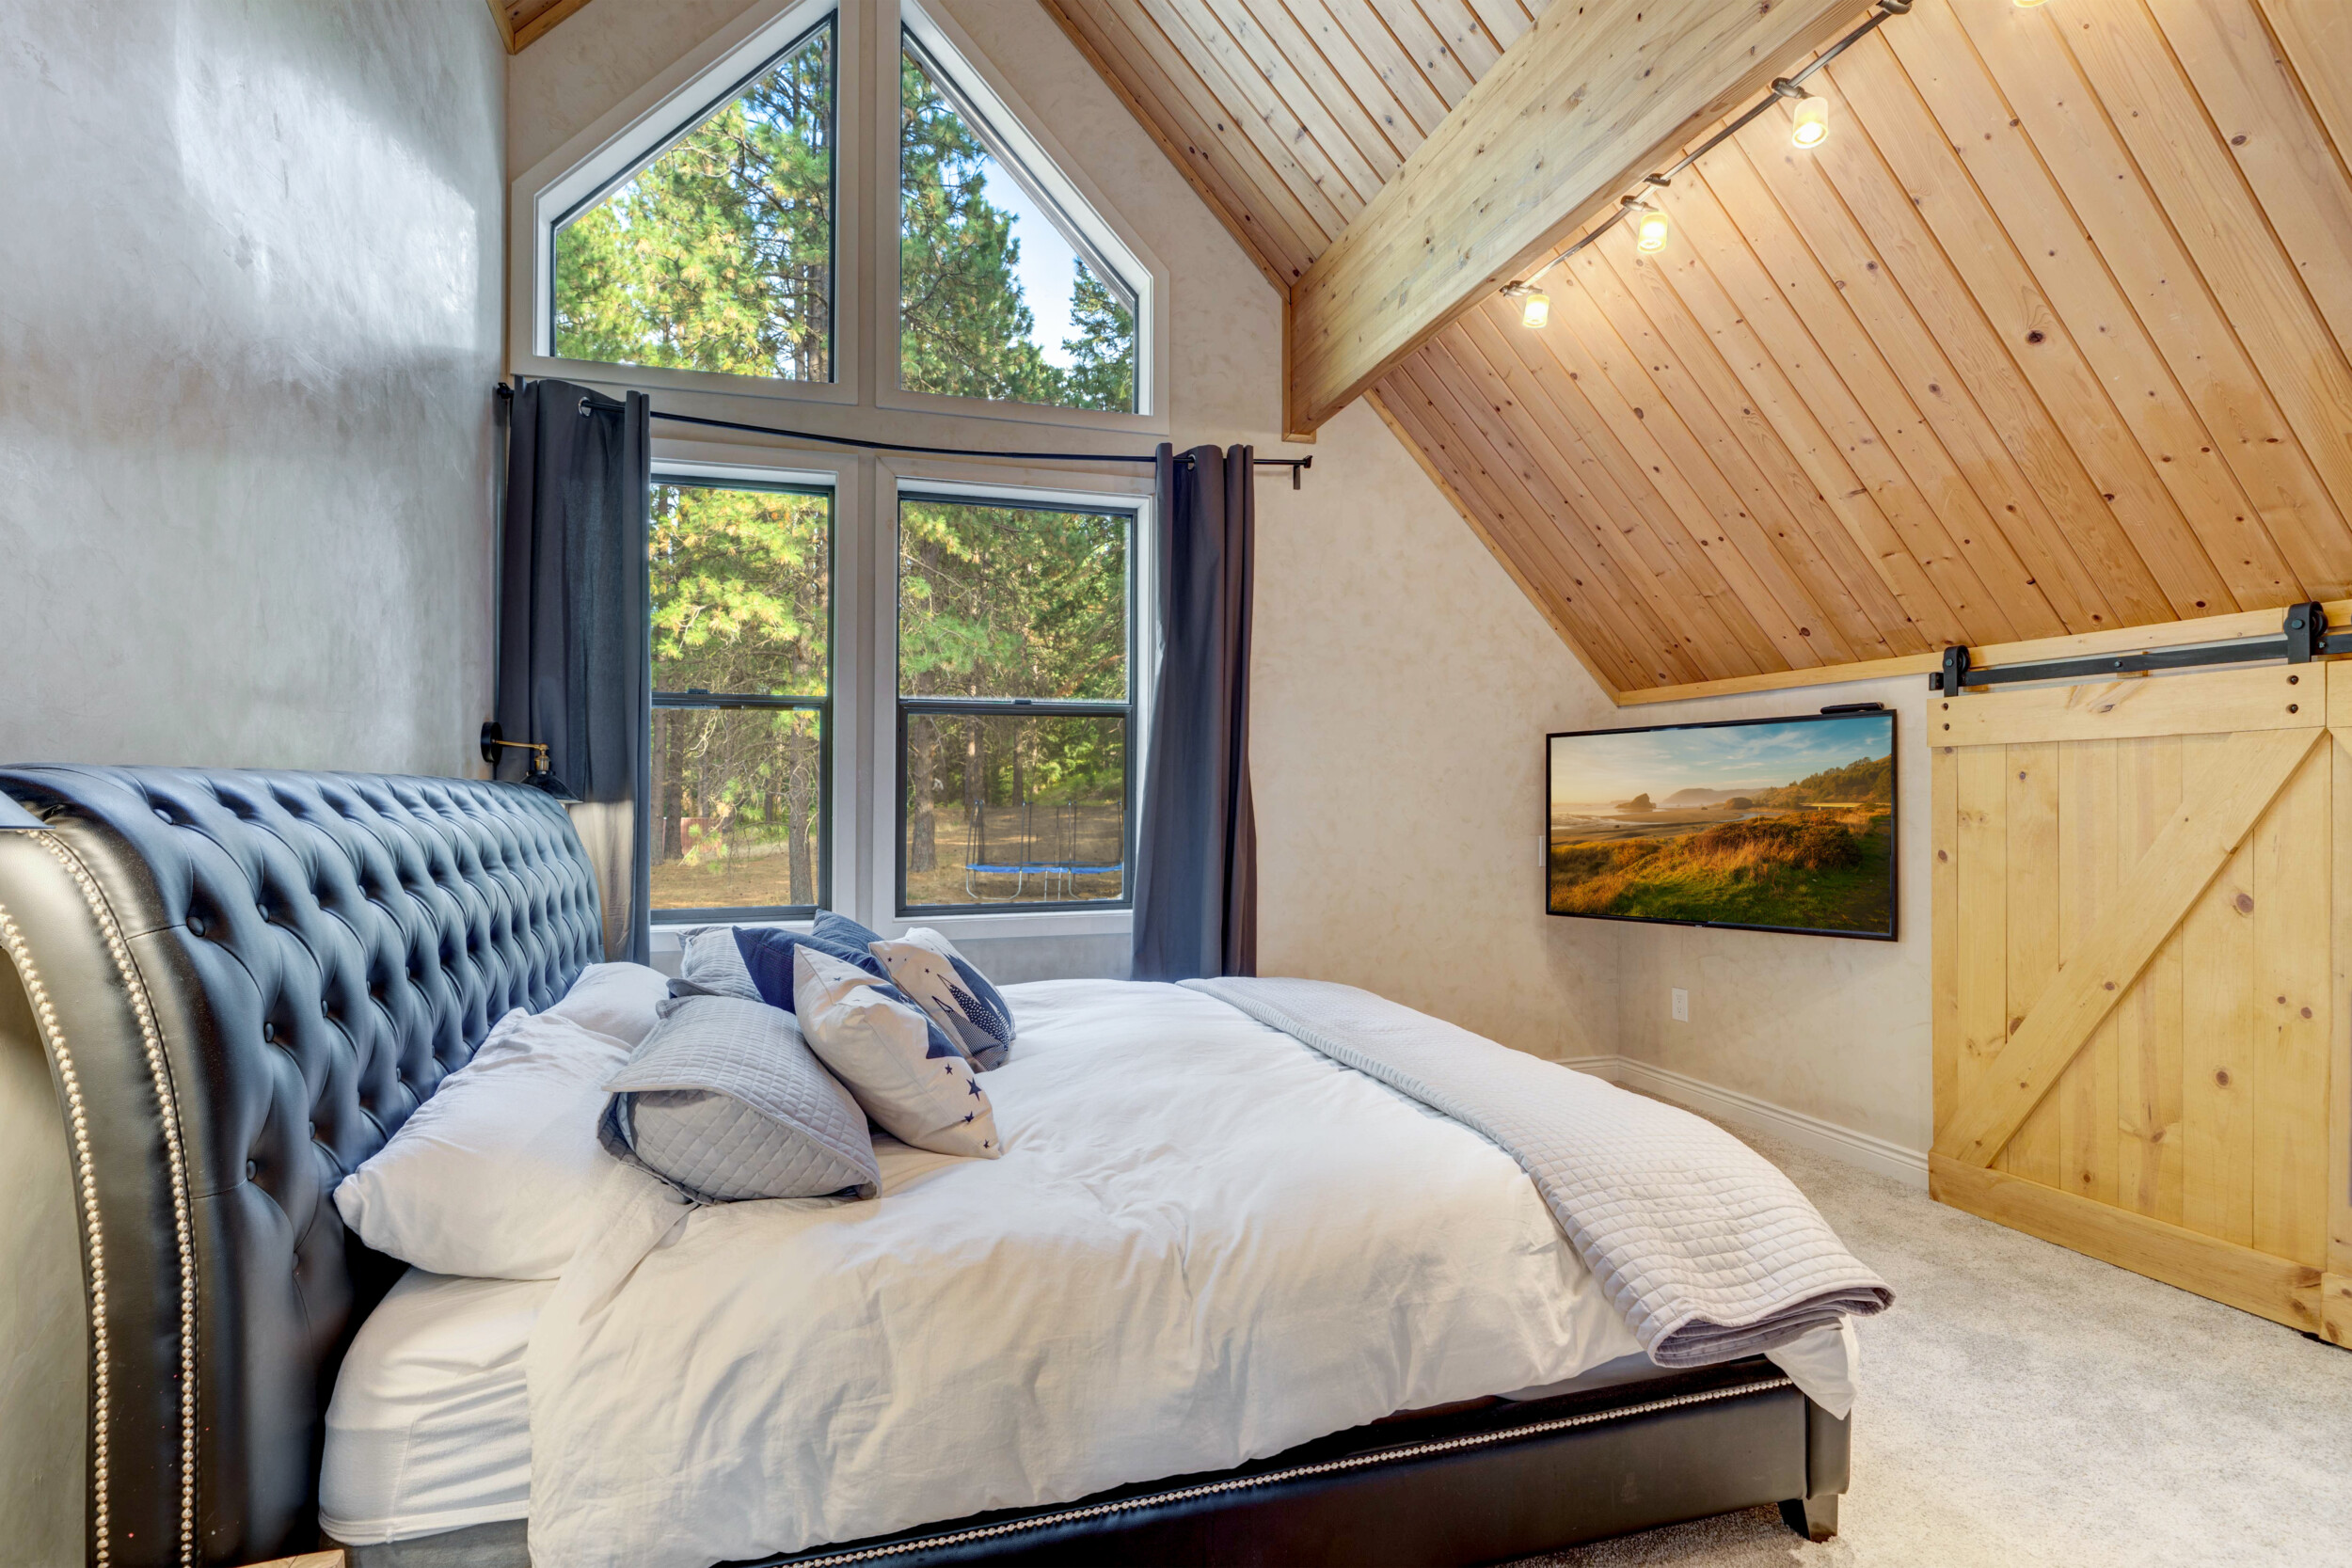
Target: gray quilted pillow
(710, 964)
(725, 1102)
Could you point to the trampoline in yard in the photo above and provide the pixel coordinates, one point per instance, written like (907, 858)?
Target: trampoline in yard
(1009, 844)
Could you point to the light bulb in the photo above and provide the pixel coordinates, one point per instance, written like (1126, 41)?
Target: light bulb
(1535, 310)
(1651, 234)
(1811, 127)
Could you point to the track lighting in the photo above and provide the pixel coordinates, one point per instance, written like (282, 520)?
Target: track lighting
(1808, 128)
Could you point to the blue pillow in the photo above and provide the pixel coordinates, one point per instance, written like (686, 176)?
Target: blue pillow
(768, 955)
(843, 932)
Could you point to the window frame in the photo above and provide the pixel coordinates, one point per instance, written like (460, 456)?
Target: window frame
(829, 707)
(639, 130)
(1032, 488)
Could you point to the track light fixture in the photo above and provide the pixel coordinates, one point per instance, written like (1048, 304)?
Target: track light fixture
(1808, 125)
(1535, 305)
(1651, 229)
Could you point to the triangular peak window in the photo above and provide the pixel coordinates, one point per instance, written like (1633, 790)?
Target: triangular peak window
(1009, 288)
(716, 253)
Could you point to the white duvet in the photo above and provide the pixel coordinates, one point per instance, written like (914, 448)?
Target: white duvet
(1204, 1244)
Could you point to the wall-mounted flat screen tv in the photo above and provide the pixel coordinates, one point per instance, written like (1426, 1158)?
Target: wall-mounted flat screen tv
(1756, 824)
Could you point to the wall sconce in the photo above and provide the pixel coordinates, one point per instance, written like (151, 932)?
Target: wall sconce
(494, 740)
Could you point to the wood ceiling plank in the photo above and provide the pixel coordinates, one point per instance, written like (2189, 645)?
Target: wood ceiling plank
(1683, 362)
(1504, 20)
(1436, 63)
(1342, 28)
(1867, 288)
(1268, 232)
(2061, 112)
(1464, 35)
(2153, 564)
(1283, 98)
(2255, 284)
(1555, 417)
(1581, 636)
(1966, 171)
(1718, 243)
(1575, 111)
(1764, 386)
(2317, 37)
(2035, 223)
(1583, 530)
(2278, 146)
(1555, 551)
(1821, 343)
(1247, 102)
(1662, 447)
(1278, 31)
(1568, 483)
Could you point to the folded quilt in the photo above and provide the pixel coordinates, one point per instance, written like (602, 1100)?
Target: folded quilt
(1709, 1251)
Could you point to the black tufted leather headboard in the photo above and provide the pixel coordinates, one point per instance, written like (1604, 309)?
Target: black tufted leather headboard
(245, 982)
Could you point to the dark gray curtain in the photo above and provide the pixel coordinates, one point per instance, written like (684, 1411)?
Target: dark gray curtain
(1197, 841)
(573, 655)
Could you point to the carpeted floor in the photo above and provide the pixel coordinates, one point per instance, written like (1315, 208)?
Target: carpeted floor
(2024, 1404)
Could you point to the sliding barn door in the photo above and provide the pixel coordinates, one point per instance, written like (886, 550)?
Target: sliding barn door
(2140, 965)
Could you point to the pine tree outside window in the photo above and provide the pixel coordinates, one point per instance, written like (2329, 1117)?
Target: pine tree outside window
(742, 577)
(718, 254)
(1001, 296)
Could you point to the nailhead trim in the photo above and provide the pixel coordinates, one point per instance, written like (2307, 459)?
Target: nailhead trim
(1243, 1483)
(93, 1237)
(167, 1110)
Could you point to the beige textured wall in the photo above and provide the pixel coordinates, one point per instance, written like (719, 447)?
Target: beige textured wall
(251, 253)
(1403, 684)
(1826, 1026)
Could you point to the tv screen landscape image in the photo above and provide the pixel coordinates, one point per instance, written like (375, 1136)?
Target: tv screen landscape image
(1761, 824)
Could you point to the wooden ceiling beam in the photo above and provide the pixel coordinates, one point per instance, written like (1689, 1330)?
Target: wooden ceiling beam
(524, 22)
(1587, 101)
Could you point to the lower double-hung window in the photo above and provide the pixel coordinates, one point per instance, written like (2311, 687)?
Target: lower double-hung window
(742, 706)
(1016, 704)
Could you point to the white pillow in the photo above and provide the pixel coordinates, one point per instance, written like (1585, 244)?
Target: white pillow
(958, 997)
(493, 1176)
(619, 1000)
(906, 1073)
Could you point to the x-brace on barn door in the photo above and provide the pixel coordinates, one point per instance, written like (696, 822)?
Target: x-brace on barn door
(2140, 970)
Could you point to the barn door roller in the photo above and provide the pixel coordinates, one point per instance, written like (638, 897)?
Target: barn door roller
(2302, 637)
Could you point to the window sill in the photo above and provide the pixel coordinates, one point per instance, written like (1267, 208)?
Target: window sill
(1015, 923)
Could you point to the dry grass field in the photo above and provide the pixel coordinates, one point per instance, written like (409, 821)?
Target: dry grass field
(1821, 867)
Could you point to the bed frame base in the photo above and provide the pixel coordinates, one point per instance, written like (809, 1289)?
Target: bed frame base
(1486, 1485)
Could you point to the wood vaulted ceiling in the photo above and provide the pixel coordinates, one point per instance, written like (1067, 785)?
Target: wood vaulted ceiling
(2048, 338)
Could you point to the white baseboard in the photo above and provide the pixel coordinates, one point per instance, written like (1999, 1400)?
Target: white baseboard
(1907, 1166)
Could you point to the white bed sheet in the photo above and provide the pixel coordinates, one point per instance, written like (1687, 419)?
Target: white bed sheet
(1287, 1247)
(430, 1426)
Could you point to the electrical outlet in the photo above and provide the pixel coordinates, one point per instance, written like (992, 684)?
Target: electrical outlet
(1682, 1005)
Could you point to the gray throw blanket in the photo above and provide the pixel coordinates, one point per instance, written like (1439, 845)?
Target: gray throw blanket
(1709, 1251)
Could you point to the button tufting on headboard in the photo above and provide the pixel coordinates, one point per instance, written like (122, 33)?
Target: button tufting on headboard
(289, 962)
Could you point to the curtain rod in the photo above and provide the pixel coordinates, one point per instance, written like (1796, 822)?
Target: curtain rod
(1295, 464)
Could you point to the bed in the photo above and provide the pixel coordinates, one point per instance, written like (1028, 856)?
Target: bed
(245, 981)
